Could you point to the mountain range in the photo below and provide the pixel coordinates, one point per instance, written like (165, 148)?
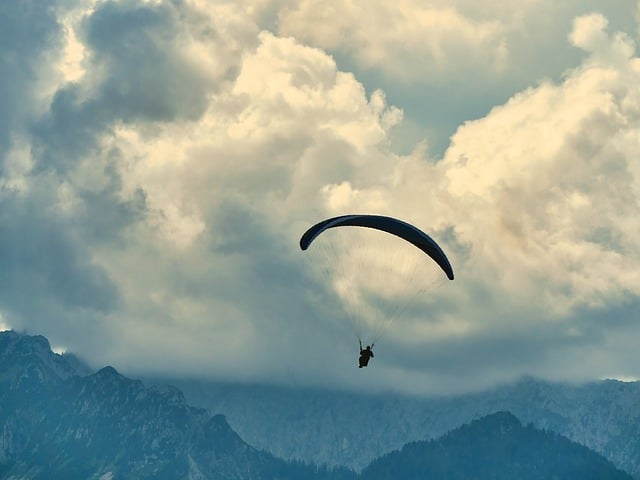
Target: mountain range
(59, 424)
(352, 429)
(59, 420)
(495, 447)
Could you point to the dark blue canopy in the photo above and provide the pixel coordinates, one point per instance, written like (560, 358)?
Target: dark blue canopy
(394, 226)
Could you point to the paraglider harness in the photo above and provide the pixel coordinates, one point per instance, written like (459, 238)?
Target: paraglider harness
(365, 355)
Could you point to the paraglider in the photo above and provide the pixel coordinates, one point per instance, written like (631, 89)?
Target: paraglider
(386, 225)
(366, 354)
(390, 225)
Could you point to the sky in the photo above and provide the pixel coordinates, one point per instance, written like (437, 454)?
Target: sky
(159, 161)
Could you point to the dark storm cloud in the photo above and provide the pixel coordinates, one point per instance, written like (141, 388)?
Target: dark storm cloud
(272, 279)
(39, 256)
(26, 31)
(468, 356)
(503, 348)
(147, 77)
(270, 258)
(41, 260)
(45, 255)
(136, 72)
(46, 271)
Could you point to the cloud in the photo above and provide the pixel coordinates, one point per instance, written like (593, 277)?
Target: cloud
(433, 44)
(447, 62)
(542, 193)
(563, 205)
(50, 282)
(27, 32)
(150, 204)
(154, 207)
(142, 64)
(589, 33)
(400, 36)
(251, 171)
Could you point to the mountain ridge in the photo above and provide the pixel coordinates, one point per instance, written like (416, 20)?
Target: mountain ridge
(494, 447)
(57, 423)
(603, 415)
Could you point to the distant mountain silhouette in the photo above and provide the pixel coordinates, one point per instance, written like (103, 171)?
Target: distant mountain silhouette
(55, 424)
(496, 447)
(602, 415)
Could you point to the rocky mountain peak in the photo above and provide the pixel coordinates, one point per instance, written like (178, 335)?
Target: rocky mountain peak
(59, 425)
(28, 359)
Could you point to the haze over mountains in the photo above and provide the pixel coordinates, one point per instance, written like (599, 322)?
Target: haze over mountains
(352, 429)
(60, 421)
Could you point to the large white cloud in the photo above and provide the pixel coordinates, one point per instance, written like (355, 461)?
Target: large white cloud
(447, 62)
(225, 198)
(551, 179)
(406, 39)
(436, 42)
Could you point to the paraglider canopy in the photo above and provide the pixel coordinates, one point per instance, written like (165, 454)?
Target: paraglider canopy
(390, 225)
